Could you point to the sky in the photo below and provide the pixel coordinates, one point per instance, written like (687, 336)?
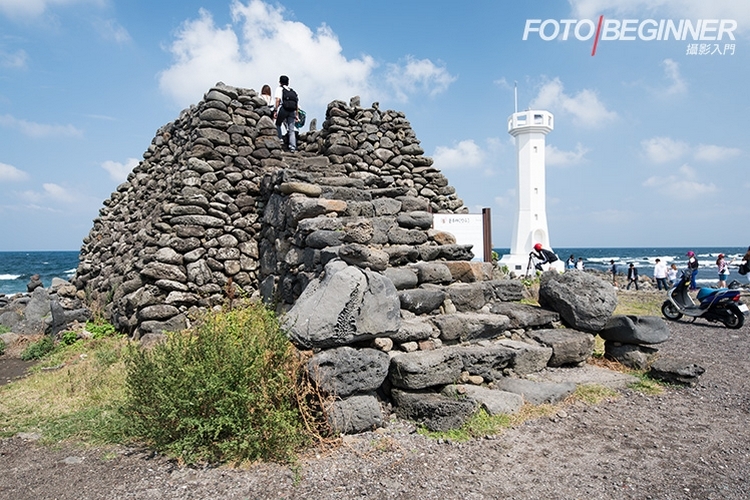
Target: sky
(650, 141)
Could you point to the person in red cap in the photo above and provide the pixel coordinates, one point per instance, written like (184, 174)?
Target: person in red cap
(542, 256)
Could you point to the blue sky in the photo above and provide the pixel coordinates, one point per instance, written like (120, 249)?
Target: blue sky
(650, 146)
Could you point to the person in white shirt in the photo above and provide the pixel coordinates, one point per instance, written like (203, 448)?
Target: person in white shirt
(660, 274)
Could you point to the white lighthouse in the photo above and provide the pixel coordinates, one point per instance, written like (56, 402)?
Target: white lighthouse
(529, 128)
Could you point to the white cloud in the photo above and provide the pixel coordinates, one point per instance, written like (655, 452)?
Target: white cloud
(109, 29)
(39, 130)
(664, 149)
(414, 75)
(558, 158)
(119, 171)
(18, 9)
(465, 154)
(51, 192)
(685, 186)
(11, 173)
(712, 153)
(258, 47)
(15, 60)
(672, 72)
(585, 106)
(677, 9)
(260, 44)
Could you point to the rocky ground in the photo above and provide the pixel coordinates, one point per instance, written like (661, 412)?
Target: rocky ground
(685, 443)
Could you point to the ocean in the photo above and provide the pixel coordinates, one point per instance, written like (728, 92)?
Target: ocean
(16, 268)
(645, 258)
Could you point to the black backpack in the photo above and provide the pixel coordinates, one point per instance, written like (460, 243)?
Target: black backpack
(289, 99)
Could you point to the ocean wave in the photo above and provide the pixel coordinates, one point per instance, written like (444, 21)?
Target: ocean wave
(9, 276)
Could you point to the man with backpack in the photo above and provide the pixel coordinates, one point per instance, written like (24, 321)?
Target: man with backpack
(286, 104)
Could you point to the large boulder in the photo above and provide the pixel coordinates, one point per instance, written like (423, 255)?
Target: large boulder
(637, 330)
(584, 301)
(569, 347)
(422, 369)
(468, 326)
(435, 411)
(348, 305)
(344, 371)
(356, 414)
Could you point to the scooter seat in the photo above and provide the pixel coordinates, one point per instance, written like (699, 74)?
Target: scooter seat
(706, 292)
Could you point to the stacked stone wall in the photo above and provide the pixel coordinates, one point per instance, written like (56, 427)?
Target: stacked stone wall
(216, 205)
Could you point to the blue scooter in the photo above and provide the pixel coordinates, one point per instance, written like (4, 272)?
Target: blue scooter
(715, 304)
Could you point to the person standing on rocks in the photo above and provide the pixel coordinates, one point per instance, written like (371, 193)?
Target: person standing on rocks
(660, 274)
(286, 105)
(632, 276)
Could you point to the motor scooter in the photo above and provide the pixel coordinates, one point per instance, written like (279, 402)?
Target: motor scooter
(715, 304)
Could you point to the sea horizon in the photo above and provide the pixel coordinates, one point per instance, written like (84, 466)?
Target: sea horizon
(17, 267)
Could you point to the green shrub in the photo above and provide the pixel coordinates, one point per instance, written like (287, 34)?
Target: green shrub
(68, 338)
(100, 329)
(38, 349)
(4, 329)
(223, 392)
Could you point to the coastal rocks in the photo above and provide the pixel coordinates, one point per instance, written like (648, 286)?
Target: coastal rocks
(45, 311)
(630, 339)
(348, 305)
(569, 347)
(585, 302)
(676, 371)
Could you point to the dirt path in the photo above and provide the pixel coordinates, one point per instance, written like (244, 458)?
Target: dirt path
(684, 444)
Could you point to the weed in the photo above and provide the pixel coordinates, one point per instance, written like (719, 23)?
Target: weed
(38, 349)
(646, 385)
(4, 329)
(222, 392)
(100, 328)
(68, 338)
(478, 425)
(594, 394)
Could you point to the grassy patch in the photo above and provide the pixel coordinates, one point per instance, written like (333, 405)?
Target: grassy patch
(640, 303)
(646, 385)
(76, 402)
(593, 394)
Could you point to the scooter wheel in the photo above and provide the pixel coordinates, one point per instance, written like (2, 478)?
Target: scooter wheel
(670, 311)
(735, 319)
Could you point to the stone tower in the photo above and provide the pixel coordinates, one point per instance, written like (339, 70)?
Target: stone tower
(529, 129)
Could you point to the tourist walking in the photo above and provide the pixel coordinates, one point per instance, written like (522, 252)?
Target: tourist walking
(660, 274)
(286, 105)
(693, 267)
(613, 270)
(632, 276)
(723, 268)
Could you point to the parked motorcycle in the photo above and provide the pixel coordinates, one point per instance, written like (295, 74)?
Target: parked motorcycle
(715, 304)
